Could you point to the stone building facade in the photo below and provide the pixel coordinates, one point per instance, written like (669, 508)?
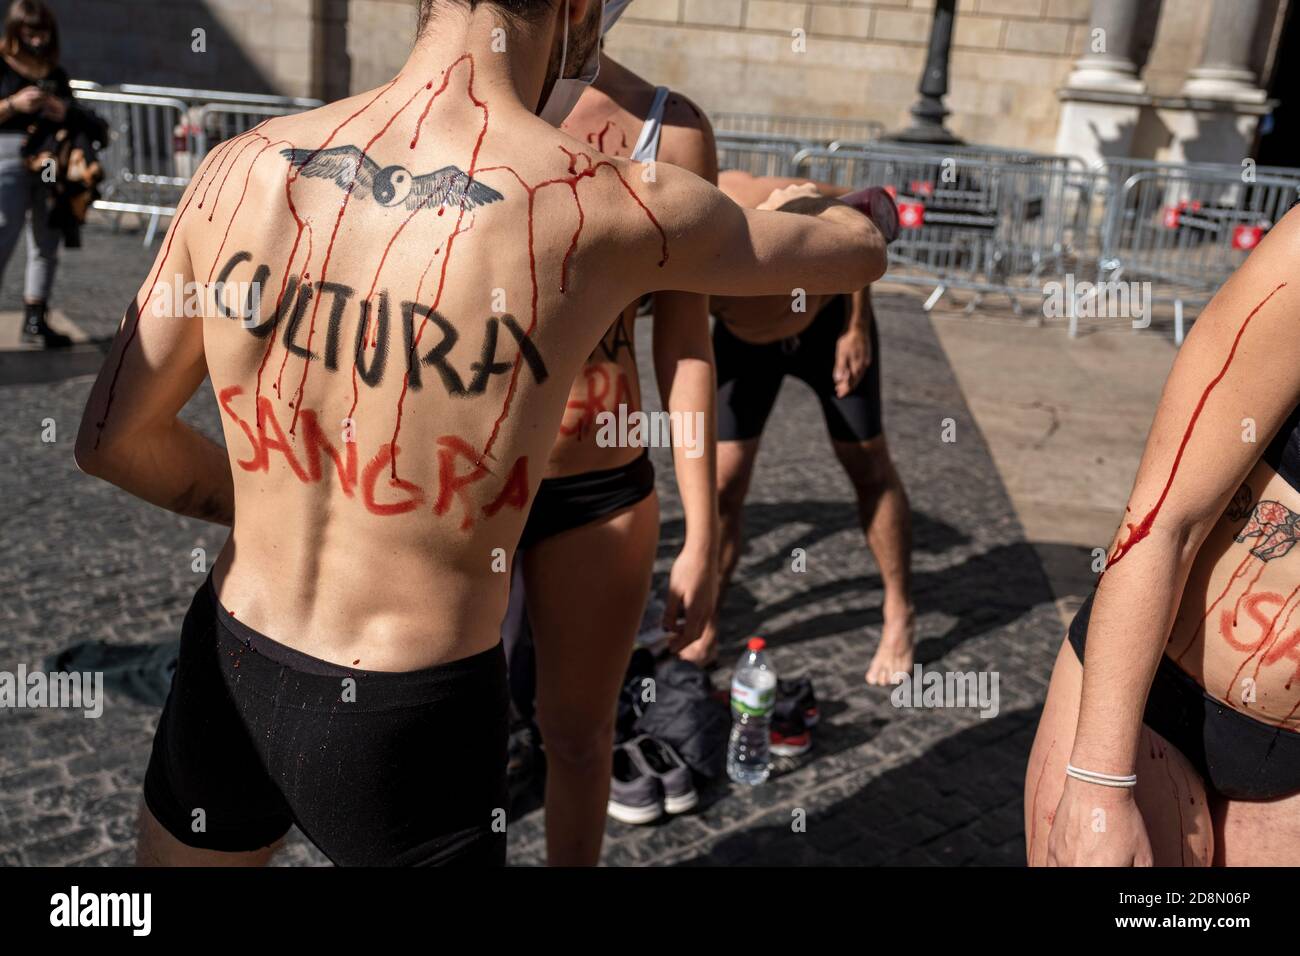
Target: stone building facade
(1170, 79)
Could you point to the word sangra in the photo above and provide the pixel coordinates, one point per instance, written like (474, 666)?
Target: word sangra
(459, 466)
(74, 909)
(76, 691)
(626, 429)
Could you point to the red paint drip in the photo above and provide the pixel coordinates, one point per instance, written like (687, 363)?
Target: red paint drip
(248, 173)
(588, 173)
(292, 173)
(1241, 569)
(451, 239)
(598, 139)
(325, 265)
(219, 153)
(1137, 532)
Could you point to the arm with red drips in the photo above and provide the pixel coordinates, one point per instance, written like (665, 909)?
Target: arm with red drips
(1239, 362)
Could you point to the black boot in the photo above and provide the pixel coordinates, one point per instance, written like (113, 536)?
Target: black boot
(35, 330)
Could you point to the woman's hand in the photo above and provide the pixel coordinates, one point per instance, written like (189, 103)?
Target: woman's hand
(692, 592)
(1097, 826)
(27, 100)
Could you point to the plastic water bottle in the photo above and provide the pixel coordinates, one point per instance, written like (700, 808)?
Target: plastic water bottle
(753, 695)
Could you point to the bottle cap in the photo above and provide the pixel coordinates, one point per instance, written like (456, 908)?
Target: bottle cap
(756, 644)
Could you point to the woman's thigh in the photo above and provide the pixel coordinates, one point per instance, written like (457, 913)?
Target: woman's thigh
(1257, 832)
(1170, 793)
(586, 590)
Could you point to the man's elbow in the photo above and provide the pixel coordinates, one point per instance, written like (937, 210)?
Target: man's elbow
(94, 452)
(872, 260)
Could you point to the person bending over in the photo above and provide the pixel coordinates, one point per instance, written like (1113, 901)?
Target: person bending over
(830, 343)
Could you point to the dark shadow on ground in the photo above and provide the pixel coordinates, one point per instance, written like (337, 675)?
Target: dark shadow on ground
(960, 802)
(984, 593)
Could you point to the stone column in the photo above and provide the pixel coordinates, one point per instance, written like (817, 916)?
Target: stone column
(1110, 60)
(1104, 98)
(1224, 72)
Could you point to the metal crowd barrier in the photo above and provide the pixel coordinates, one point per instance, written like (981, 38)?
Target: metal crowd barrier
(147, 156)
(759, 156)
(821, 129)
(982, 225)
(215, 122)
(1022, 224)
(158, 136)
(1186, 230)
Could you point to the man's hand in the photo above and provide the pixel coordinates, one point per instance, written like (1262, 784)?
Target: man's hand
(1097, 826)
(852, 359)
(692, 591)
(779, 197)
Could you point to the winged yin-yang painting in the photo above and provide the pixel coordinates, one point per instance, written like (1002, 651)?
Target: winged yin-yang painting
(392, 185)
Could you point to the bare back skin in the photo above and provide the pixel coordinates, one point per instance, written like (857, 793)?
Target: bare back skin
(384, 435)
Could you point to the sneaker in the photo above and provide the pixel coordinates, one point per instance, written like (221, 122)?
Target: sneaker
(635, 795)
(800, 689)
(662, 762)
(789, 735)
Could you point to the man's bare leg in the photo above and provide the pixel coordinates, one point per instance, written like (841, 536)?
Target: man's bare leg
(735, 469)
(156, 847)
(584, 610)
(1170, 793)
(886, 520)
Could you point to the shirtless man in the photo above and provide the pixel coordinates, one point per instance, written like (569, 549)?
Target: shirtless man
(831, 344)
(588, 547)
(410, 281)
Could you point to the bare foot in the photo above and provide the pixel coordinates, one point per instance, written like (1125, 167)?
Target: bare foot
(894, 655)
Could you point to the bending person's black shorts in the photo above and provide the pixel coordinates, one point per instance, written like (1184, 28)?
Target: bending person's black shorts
(1237, 756)
(375, 767)
(750, 376)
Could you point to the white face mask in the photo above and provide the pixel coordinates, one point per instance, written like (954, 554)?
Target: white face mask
(613, 10)
(566, 91)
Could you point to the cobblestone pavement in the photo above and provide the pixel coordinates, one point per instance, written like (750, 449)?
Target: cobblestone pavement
(883, 785)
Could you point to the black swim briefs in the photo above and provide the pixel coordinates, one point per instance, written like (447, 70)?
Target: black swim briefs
(1237, 756)
(375, 767)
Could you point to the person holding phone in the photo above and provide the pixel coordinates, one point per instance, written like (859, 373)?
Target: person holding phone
(34, 90)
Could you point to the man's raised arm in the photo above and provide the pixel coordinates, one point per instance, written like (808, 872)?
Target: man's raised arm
(715, 246)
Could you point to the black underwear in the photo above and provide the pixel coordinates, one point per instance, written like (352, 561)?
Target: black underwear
(575, 500)
(387, 768)
(1237, 756)
(750, 376)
